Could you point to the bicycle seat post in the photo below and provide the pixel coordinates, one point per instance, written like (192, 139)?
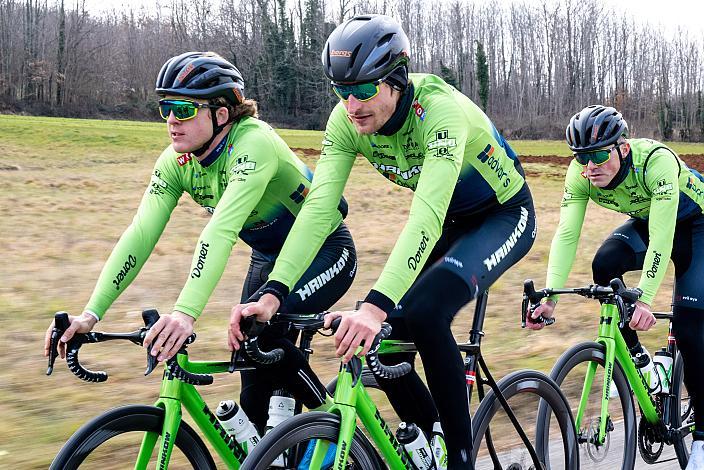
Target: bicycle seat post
(476, 333)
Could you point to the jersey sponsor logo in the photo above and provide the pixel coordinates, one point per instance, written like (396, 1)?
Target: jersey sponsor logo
(506, 247)
(486, 156)
(654, 268)
(323, 278)
(156, 184)
(410, 145)
(418, 110)
(663, 188)
(200, 264)
(390, 170)
(380, 146)
(127, 267)
(382, 156)
(299, 194)
(604, 198)
(414, 260)
(183, 159)
(340, 53)
(243, 166)
(693, 187)
(636, 198)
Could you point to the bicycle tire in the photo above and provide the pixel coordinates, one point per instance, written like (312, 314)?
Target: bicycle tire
(304, 428)
(592, 351)
(547, 393)
(678, 388)
(130, 418)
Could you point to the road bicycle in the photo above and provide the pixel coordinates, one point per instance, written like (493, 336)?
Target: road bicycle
(600, 378)
(305, 440)
(157, 436)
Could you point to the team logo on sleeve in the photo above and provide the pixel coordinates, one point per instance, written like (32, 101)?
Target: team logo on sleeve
(156, 184)
(183, 159)
(243, 166)
(663, 187)
(299, 194)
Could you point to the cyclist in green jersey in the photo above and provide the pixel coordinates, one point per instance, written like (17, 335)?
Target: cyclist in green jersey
(243, 174)
(471, 218)
(665, 200)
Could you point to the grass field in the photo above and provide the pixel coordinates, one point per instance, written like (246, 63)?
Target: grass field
(72, 186)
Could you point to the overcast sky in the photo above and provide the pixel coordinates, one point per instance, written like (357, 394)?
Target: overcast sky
(668, 13)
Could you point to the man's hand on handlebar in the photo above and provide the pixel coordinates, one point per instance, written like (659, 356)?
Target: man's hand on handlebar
(168, 334)
(356, 327)
(83, 323)
(262, 310)
(545, 310)
(642, 318)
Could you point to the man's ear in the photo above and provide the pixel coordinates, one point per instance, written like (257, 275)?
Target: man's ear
(625, 148)
(222, 114)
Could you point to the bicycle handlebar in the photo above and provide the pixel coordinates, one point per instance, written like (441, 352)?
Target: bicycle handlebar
(617, 292)
(150, 317)
(314, 323)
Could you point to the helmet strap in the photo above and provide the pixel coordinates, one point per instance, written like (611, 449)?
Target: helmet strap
(216, 130)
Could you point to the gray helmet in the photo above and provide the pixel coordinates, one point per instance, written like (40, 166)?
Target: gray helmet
(595, 127)
(365, 48)
(200, 75)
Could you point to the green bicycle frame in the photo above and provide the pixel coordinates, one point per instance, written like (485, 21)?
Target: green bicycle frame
(350, 401)
(616, 349)
(175, 393)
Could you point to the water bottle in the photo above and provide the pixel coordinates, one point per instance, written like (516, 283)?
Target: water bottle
(417, 446)
(663, 367)
(646, 369)
(281, 407)
(437, 444)
(235, 422)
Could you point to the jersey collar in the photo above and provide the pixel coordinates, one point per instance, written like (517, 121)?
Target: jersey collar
(398, 119)
(217, 151)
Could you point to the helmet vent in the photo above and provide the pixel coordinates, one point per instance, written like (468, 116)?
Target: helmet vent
(387, 38)
(381, 62)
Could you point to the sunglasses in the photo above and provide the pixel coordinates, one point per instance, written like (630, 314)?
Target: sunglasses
(361, 91)
(183, 110)
(598, 157)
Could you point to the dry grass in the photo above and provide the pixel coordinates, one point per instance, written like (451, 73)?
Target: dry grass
(69, 193)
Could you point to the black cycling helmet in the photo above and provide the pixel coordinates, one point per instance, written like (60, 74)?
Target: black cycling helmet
(595, 127)
(200, 75)
(365, 48)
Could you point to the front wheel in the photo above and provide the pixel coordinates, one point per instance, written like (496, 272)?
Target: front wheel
(291, 444)
(618, 449)
(115, 437)
(496, 443)
(681, 413)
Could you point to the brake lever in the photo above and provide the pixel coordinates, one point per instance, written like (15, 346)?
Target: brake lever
(61, 323)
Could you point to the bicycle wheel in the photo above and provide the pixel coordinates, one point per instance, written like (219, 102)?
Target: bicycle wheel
(619, 448)
(293, 439)
(496, 442)
(113, 439)
(681, 413)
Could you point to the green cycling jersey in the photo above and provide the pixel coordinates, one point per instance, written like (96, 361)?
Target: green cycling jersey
(446, 150)
(659, 188)
(252, 184)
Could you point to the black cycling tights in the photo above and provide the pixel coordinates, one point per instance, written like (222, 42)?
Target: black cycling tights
(688, 327)
(426, 321)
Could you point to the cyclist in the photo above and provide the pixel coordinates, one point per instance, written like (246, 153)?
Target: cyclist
(665, 200)
(471, 218)
(240, 171)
